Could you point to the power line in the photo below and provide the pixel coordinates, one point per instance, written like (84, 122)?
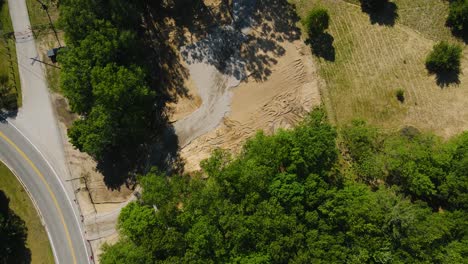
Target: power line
(46, 9)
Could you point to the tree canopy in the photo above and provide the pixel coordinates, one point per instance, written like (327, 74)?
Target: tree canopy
(458, 17)
(105, 80)
(444, 58)
(317, 21)
(293, 197)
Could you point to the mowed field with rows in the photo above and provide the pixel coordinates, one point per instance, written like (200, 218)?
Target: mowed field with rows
(373, 59)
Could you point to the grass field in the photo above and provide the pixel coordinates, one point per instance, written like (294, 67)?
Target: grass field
(373, 61)
(8, 61)
(37, 240)
(37, 15)
(45, 35)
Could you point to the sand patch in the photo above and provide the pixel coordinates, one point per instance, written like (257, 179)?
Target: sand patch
(278, 102)
(187, 104)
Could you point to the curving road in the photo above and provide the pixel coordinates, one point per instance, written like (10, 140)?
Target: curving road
(48, 193)
(31, 146)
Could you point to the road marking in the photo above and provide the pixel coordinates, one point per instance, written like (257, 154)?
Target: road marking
(22, 154)
(61, 184)
(54, 250)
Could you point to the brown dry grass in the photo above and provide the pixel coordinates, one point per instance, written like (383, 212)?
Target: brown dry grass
(373, 61)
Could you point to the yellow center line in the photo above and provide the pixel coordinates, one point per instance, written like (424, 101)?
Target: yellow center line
(48, 189)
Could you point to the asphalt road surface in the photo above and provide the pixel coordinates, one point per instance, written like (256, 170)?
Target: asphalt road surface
(48, 193)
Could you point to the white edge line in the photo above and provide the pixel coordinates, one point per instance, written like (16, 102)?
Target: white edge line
(36, 207)
(61, 184)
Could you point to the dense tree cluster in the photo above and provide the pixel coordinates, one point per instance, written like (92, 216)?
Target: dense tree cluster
(293, 198)
(444, 58)
(420, 165)
(104, 77)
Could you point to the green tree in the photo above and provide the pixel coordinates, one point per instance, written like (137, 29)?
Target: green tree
(124, 252)
(77, 19)
(454, 187)
(104, 78)
(458, 16)
(317, 21)
(120, 116)
(136, 221)
(96, 134)
(444, 58)
(283, 199)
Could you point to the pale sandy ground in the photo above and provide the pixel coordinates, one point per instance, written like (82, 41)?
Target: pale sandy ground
(279, 102)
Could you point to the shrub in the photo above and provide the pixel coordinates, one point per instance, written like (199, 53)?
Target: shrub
(372, 5)
(317, 21)
(444, 58)
(3, 78)
(400, 95)
(458, 16)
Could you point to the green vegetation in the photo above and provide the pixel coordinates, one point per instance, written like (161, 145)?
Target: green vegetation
(293, 198)
(32, 242)
(10, 89)
(444, 58)
(371, 60)
(400, 95)
(104, 76)
(317, 21)
(38, 16)
(458, 16)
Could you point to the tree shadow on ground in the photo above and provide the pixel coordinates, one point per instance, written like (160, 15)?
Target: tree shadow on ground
(385, 15)
(322, 46)
(460, 34)
(14, 233)
(445, 79)
(213, 36)
(167, 77)
(161, 151)
(249, 44)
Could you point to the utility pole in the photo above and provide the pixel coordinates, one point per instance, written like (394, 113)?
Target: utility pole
(44, 6)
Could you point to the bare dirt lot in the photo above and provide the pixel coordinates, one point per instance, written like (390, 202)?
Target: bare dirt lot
(269, 82)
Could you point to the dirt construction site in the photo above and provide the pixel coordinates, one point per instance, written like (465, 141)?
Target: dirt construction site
(250, 72)
(250, 69)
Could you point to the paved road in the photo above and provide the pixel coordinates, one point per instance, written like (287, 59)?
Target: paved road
(36, 153)
(48, 193)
